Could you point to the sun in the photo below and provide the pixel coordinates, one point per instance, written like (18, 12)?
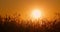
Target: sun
(36, 14)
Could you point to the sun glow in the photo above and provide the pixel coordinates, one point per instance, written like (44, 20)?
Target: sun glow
(36, 14)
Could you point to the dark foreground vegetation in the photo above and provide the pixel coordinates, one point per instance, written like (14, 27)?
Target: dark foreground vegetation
(8, 24)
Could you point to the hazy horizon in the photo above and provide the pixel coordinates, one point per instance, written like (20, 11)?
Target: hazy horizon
(24, 7)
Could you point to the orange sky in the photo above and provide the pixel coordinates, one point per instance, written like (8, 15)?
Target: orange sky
(24, 7)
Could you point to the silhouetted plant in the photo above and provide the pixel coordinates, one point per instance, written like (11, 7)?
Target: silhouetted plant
(11, 25)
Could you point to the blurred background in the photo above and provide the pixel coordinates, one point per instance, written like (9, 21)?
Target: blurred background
(24, 7)
(29, 15)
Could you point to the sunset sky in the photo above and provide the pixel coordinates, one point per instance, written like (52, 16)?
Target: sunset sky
(25, 7)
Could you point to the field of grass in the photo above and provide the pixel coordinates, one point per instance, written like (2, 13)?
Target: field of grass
(9, 24)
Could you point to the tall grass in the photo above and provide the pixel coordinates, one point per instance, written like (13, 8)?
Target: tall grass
(8, 24)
